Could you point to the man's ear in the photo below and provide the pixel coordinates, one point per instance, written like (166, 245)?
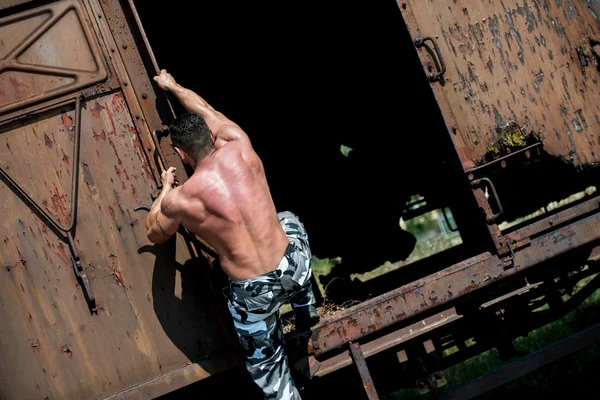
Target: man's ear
(181, 153)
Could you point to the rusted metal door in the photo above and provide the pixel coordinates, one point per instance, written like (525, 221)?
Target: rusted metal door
(88, 308)
(510, 73)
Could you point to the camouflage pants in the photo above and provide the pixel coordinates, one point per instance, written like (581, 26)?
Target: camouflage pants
(254, 305)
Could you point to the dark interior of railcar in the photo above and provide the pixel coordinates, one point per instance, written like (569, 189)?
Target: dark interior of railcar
(303, 79)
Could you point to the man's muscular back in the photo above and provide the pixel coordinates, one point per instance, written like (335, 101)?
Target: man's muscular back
(227, 202)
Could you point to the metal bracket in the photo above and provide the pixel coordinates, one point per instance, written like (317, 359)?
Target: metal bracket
(490, 219)
(361, 364)
(68, 230)
(509, 261)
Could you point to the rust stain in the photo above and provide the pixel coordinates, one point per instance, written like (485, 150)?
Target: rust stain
(118, 278)
(112, 213)
(99, 136)
(58, 205)
(19, 88)
(49, 143)
(67, 121)
(65, 157)
(62, 253)
(134, 193)
(118, 103)
(115, 150)
(139, 151)
(96, 109)
(66, 350)
(112, 122)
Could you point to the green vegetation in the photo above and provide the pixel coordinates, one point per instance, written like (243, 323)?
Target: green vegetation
(551, 206)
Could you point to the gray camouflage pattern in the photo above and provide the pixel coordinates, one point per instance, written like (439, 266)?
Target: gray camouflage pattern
(254, 305)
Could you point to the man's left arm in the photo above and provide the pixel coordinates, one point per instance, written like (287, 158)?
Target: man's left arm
(162, 221)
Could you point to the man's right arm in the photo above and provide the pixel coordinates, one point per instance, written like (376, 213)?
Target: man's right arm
(223, 128)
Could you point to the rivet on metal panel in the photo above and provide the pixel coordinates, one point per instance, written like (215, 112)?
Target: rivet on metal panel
(124, 45)
(144, 96)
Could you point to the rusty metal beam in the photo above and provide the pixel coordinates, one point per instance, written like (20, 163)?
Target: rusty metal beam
(445, 286)
(363, 370)
(402, 335)
(526, 364)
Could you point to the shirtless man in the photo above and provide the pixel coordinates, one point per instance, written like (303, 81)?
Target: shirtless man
(227, 202)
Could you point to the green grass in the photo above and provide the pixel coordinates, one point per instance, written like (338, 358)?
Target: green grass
(551, 206)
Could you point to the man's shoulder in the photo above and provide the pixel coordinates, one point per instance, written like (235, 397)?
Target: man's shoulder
(171, 203)
(236, 154)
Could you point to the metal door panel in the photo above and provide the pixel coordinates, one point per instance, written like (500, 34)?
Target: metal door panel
(516, 72)
(47, 52)
(50, 344)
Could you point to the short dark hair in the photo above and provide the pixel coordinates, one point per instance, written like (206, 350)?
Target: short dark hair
(190, 133)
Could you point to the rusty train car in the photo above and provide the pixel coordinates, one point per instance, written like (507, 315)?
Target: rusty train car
(489, 109)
